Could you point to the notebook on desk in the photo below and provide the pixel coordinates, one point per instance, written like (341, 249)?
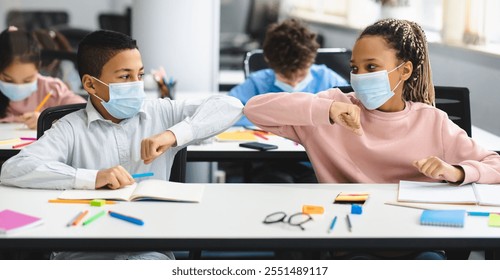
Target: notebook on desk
(445, 193)
(12, 221)
(152, 189)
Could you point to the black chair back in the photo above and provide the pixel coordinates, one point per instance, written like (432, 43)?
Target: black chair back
(52, 114)
(337, 59)
(455, 101)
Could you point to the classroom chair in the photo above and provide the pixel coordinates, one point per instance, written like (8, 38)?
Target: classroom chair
(455, 101)
(337, 59)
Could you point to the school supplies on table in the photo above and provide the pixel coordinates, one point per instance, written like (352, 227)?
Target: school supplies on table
(93, 218)
(425, 192)
(332, 224)
(347, 198)
(12, 221)
(79, 218)
(349, 224)
(77, 201)
(445, 218)
(313, 209)
(494, 220)
(22, 145)
(142, 175)
(151, 189)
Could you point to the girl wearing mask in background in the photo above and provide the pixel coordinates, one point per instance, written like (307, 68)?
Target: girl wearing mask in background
(22, 88)
(385, 131)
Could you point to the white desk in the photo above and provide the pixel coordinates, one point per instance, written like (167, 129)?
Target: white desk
(230, 217)
(486, 139)
(12, 131)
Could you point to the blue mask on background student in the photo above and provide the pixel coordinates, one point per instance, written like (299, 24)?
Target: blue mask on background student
(373, 89)
(299, 87)
(18, 92)
(125, 99)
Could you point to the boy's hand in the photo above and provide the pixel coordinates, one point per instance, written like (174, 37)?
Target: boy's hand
(30, 119)
(154, 146)
(346, 115)
(435, 168)
(113, 178)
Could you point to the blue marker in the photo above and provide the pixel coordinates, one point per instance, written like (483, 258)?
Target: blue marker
(141, 175)
(486, 214)
(126, 218)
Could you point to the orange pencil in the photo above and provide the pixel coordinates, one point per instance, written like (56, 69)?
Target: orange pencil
(45, 99)
(258, 134)
(22, 144)
(79, 218)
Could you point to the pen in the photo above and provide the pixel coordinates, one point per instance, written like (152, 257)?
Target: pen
(349, 225)
(332, 224)
(93, 218)
(260, 135)
(28, 138)
(45, 99)
(79, 201)
(22, 145)
(126, 218)
(74, 219)
(141, 175)
(80, 217)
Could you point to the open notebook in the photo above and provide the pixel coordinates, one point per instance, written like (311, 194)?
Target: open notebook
(425, 192)
(145, 190)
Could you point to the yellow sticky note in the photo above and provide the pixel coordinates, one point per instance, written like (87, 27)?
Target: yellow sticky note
(236, 136)
(312, 209)
(494, 220)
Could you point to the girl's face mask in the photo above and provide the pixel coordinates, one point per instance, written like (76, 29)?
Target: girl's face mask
(373, 89)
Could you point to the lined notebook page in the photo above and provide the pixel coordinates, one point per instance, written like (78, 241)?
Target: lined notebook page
(426, 192)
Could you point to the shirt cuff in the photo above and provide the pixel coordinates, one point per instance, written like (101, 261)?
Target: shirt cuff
(470, 174)
(85, 179)
(183, 133)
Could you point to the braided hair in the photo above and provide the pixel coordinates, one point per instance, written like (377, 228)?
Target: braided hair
(408, 39)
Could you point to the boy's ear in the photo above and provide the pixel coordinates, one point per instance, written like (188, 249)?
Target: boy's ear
(407, 70)
(88, 84)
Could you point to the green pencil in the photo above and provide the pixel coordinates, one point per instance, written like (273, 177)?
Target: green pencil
(93, 218)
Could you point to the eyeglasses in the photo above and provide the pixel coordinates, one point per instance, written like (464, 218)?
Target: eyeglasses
(297, 219)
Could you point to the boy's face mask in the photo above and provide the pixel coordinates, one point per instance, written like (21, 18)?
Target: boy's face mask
(299, 87)
(373, 89)
(125, 99)
(18, 92)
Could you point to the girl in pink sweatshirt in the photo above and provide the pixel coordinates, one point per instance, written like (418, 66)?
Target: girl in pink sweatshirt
(385, 131)
(22, 88)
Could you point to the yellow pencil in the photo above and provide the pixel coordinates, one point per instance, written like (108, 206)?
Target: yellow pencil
(45, 99)
(80, 201)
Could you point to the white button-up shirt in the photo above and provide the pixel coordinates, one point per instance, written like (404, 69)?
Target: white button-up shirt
(69, 155)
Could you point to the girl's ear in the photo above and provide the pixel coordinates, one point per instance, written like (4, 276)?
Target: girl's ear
(407, 69)
(88, 84)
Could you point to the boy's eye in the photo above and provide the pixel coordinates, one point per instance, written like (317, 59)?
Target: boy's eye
(125, 77)
(141, 75)
(371, 67)
(354, 69)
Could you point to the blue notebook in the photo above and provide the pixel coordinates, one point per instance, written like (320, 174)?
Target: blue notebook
(446, 218)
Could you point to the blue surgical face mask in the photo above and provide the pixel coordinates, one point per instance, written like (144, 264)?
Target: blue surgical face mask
(18, 92)
(299, 87)
(125, 99)
(373, 89)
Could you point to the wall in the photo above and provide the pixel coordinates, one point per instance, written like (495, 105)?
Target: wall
(82, 14)
(451, 66)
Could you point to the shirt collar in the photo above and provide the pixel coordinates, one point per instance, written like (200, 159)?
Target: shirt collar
(93, 115)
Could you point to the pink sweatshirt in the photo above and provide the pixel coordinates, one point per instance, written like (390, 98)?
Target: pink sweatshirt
(61, 95)
(390, 143)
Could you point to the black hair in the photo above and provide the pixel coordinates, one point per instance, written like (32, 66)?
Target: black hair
(98, 47)
(20, 45)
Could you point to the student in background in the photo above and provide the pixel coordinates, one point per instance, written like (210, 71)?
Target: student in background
(290, 50)
(22, 88)
(385, 131)
(119, 132)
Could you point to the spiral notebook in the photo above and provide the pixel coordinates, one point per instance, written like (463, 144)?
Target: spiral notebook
(445, 218)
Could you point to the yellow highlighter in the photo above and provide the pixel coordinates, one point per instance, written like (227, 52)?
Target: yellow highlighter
(313, 209)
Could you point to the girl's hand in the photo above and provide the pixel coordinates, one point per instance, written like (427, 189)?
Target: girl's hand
(435, 168)
(346, 115)
(30, 119)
